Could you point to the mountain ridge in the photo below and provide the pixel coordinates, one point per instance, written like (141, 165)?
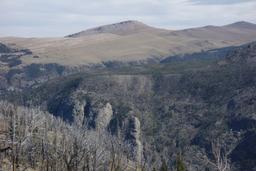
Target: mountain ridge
(241, 24)
(120, 28)
(134, 25)
(130, 41)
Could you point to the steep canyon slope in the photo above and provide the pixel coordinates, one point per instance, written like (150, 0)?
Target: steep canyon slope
(181, 106)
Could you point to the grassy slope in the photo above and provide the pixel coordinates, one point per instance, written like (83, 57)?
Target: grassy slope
(135, 46)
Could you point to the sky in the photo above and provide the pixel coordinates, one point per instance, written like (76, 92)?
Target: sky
(55, 18)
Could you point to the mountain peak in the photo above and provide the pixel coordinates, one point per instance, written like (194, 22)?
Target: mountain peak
(242, 24)
(121, 28)
(130, 22)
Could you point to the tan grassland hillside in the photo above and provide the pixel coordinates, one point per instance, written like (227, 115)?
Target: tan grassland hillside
(130, 41)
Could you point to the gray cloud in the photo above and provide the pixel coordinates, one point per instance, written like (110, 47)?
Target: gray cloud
(62, 17)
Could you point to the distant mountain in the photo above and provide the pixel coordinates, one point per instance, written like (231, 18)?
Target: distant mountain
(122, 28)
(242, 25)
(131, 41)
(232, 33)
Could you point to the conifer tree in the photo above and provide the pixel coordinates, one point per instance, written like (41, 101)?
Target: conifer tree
(164, 166)
(180, 166)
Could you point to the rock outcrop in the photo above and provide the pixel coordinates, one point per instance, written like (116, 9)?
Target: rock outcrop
(90, 113)
(104, 117)
(133, 137)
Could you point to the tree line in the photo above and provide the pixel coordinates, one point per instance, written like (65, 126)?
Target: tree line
(33, 139)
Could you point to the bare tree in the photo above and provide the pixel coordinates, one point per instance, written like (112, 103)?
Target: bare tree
(118, 154)
(220, 155)
(41, 141)
(219, 158)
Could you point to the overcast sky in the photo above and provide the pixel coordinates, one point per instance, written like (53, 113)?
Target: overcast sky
(40, 18)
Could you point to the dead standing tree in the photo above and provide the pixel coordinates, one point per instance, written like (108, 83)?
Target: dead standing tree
(219, 159)
(22, 124)
(118, 154)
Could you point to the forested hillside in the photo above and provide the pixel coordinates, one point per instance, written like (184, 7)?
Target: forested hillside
(192, 114)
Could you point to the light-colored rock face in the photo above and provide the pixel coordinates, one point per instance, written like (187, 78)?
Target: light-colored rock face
(78, 103)
(133, 137)
(104, 116)
(139, 147)
(90, 114)
(78, 113)
(98, 116)
(94, 113)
